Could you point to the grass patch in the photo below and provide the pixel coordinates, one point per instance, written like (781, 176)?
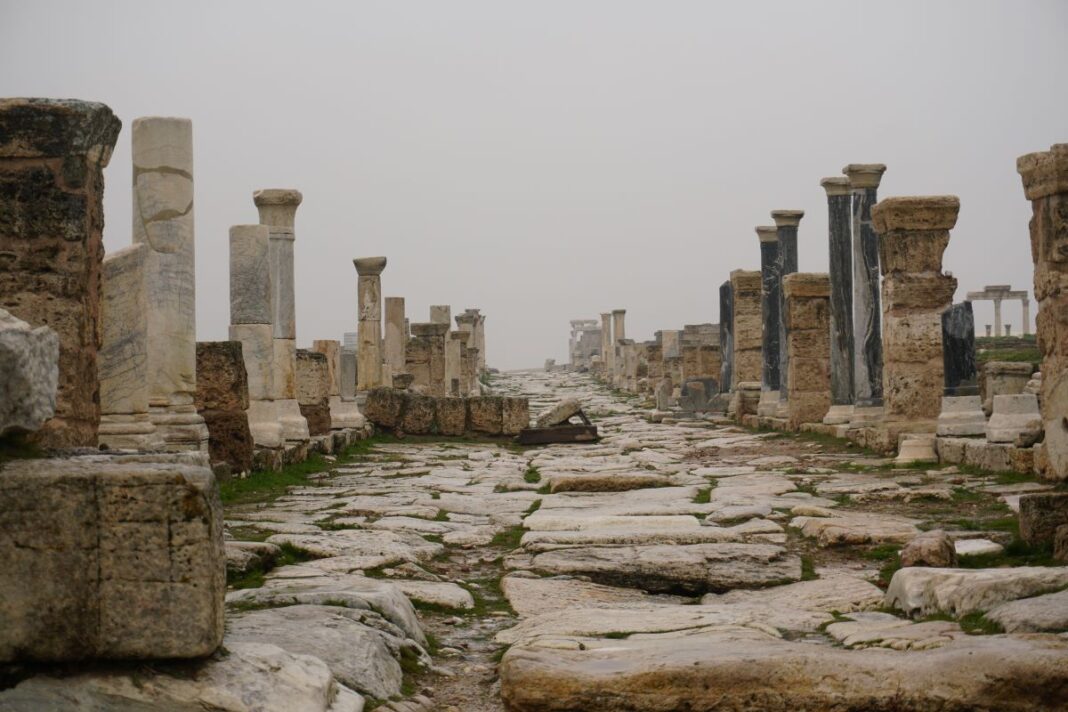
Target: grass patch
(971, 623)
(532, 476)
(534, 506)
(1016, 553)
(255, 577)
(808, 569)
(509, 538)
(703, 496)
(890, 558)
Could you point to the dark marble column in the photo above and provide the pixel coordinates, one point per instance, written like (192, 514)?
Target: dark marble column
(841, 273)
(867, 329)
(770, 289)
(726, 335)
(786, 222)
(958, 350)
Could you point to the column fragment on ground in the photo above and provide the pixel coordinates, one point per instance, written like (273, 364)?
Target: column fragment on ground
(726, 336)
(841, 275)
(807, 317)
(369, 299)
(786, 223)
(278, 210)
(867, 331)
(52, 156)
(913, 235)
(162, 151)
(770, 288)
(1045, 181)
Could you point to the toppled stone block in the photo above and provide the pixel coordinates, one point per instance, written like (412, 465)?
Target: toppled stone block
(932, 548)
(559, 413)
(117, 557)
(1041, 515)
(29, 373)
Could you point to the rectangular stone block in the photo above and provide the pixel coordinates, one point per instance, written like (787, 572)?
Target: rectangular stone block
(419, 414)
(515, 415)
(222, 379)
(123, 357)
(384, 406)
(451, 416)
(257, 351)
(332, 350)
(485, 414)
(117, 557)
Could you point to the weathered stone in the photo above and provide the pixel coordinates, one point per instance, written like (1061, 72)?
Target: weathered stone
(451, 414)
(395, 336)
(961, 416)
(110, 557)
(786, 223)
(1015, 419)
(1041, 515)
(806, 316)
(222, 399)
(419, 415)
(52, 156)
(425, 357)
(770, 308)
(958, 351)
(369, 304)
(515, 415)
(29, 374)
(726, 336)
(931, 548)
(748, 329)
(313, 390)
(1038, 614)
(1003, 378)
(559, 413)
(927, 591)
(841, 294)
(332, 351)
(485, 414)
(384, 406)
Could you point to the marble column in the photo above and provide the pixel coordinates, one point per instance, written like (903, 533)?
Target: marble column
(807, 316)
(369, 352)
(619, 332)
(606, 345)
(997, 316)
(331, 349)
(278, 211)
(465, 324)
(747, 326)
(456, 376)
(395, 338)
(841, 276)
(913, 234)
(786, 223)
(864, 181)
(726, 336)
(479, 335)
(251, 314)
(52, 156)
(1045, 182)
(162, 150)
(123, 357)
(1026, 306)
(962, 406)
(770, 288)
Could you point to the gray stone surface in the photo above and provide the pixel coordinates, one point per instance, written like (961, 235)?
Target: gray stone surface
(559, 413)
(29, 374)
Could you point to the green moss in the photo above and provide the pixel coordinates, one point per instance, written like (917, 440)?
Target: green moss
(532, 476)
(808, 569)
(703, 496)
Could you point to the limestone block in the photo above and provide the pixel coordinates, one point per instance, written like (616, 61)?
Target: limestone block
(294, 424)
(384, 406)
(485, 414)
(916, 213)
(222, 379)
(52, 156)
(515, 415)
(229, 438)
(313, 390)
(250, 275)
(277, 210)
(1015, 418)
(345, 414)
(257, 351)
(419, 414)
(348, 374)
(264, 423)
(122, 361)
(369, 301)
(110, 557)
(284, 368)
(559, 413)
(748, 326)
(451, 416)
(961, 416)
(332, 350)
(1003, 378)
(931, 548)
(951, 451)
(29, 374)
(1060, 543)
(1041, 515)
(806, 316)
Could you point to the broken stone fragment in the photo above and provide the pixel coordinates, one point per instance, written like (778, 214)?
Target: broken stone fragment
(933, 548)
(559, 413)
(29, 374)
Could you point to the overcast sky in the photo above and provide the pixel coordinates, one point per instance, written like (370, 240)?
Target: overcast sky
(546, 161)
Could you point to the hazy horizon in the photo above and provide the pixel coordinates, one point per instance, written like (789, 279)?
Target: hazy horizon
(551, 161)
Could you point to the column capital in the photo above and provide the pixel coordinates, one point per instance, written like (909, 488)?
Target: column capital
(915, 213)
(787, 218)
(369, 266)
(836, 185)
(1044, 173)
(277, 196)
(464, 318)
(48, 128)
(277, 206)
(864, 175)
(767, 233)
(619, 312)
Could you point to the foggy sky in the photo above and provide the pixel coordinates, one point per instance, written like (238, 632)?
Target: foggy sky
(545, 161)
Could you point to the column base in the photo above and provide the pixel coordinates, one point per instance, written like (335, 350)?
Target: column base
(916, 448)
(865, 416)
(129, 431)
(839, 415)
(294, 424)
(264, 425)
(962, 416)
(345, 414)
(782, 408)
(180, 427)
(768, 404)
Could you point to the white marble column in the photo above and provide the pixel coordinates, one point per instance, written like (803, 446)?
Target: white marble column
(278, 211)
(162, 150)
(369, 299)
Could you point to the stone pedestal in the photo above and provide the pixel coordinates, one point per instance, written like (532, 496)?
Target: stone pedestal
(395, 337)
(958, 350)
(344, 409)
(425, 358)
(770, 305)
(222, 400)
(1016, 419)
(786, 222)
(1003, 378)
(331, 349)
(864, 179)
(162, 150)
(726, 336)
(313, 390)
(841, 277)
(807, 318)
(369, 298)
(278, 209)
(914, 232)
(123, 357)
(52, 156)
(747, 327)
(961, 416)
(1045, 181)
(251, 309)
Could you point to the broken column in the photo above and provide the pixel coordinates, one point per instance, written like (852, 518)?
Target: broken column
(807, 317)
(962, 408)
(619, 332)
(331, 349)
(395, 337)
(313, 390)
(606, 345)
(478, 336)
(251, 309)
(841, 276)
(52, 156)
(122, 361)
(786, 222)
(278, 210)
(465, 324)
(770, 289)
(426, 357)
(464, 373)
(369, 351)
(864, 181)
(747, 330)
(341, 367)
(913, 234)
(726, 336)
(162, 150)
(222, 400)
(1045, 181)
